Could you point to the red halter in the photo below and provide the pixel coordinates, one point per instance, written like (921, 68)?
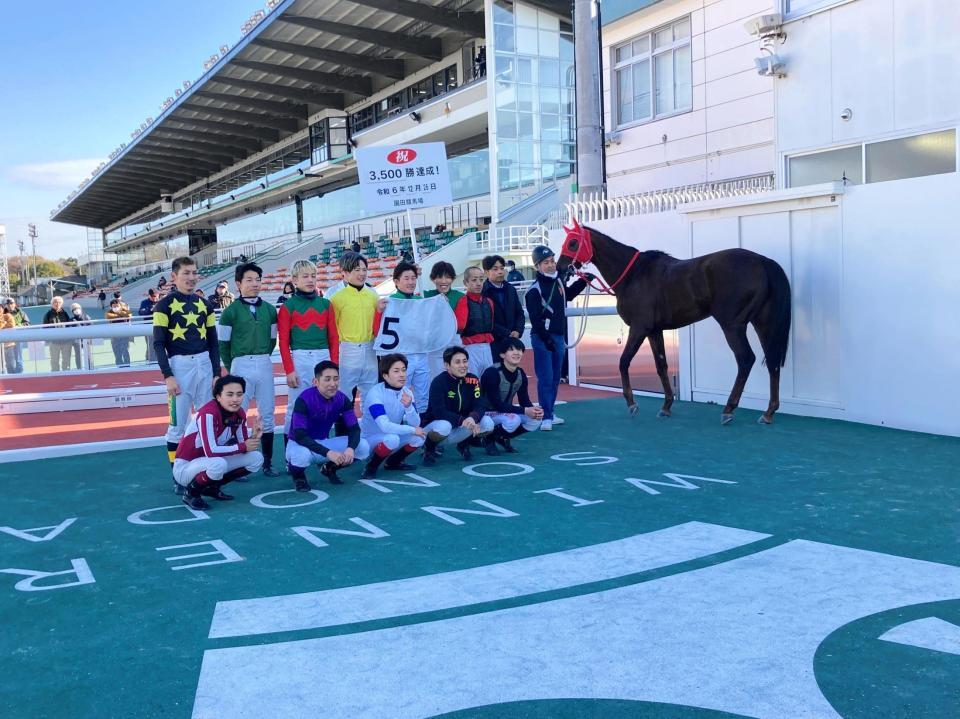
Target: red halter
(578, 246)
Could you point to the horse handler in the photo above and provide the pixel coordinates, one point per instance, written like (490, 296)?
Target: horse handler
(546, 302)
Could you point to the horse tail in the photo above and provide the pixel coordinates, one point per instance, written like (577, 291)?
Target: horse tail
(775, 319)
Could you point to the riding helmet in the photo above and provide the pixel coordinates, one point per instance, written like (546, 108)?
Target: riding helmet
(540, 253)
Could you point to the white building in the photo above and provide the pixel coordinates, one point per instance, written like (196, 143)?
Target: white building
(683, 103)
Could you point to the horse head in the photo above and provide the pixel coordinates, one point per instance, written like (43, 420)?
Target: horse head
(577, 248)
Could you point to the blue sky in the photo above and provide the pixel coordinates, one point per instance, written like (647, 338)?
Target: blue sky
(77, 79)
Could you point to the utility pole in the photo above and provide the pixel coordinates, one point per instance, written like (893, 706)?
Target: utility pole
(32, 234)
(586, 18)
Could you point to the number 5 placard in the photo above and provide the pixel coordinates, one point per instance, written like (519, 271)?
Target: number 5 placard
(415, 326)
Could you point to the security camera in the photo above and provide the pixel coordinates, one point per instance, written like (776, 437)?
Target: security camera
(415, 116)
(764, 25)
(769, 66)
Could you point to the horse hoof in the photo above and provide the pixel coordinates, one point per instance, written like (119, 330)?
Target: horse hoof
(632, 409)
(763, 420)
(725, 419)
(663, 413)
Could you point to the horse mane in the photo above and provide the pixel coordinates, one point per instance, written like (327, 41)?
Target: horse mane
(655, 255)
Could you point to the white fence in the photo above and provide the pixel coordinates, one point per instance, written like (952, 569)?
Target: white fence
(593, 207)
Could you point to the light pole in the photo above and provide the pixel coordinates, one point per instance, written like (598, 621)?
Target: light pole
(23, 266)
(32, 234)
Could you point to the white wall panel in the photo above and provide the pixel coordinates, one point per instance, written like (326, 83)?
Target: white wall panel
(726, 12)
(737, 112)
(804, 116)
(737, 86)
(862, 68)
(927, 71)
(751, 161)
(816, 338)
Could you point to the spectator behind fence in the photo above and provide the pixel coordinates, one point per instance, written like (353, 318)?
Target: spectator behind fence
(222, 297)
(59, 351)
(81, 319)
(19, 320)
(146, 310)
(119, 312)
(287, 293)
(102, 298)
(8, 348)
(513, 274)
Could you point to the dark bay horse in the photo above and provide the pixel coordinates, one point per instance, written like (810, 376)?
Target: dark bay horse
(657, 292)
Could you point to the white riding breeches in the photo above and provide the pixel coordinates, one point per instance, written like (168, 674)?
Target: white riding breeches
(185, 470)
(301, 457)
(257, 372)
(303, 363)
(194, 375)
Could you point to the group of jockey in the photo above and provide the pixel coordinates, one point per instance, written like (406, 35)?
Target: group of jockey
(462, 387)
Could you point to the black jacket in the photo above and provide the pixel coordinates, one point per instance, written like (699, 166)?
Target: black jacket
(507, 310)
(454, 399)
(546, 304)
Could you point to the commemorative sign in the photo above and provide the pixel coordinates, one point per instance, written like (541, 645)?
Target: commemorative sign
(404, 177)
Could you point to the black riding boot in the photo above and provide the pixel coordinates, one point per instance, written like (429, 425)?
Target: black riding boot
(464, 449)
(300, 482)
(395, 461)
(329, 470)
(429, 453)
(370, 468)
(266, 446)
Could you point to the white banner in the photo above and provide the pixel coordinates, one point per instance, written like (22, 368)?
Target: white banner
(415, 326)
(403, 178)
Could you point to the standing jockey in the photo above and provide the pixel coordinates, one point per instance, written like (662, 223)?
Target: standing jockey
(185, 343)
(307, 330)
(354, 306)
(247, 331)
(474, 314)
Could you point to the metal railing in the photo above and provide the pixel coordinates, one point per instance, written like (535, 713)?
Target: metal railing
(593, 207)
(510, 239)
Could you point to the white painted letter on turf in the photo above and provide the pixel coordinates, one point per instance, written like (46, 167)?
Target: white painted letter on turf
(318, 496)
(444, 512)
(583, 459)
(577, 501)
(521, 469)
(80, 569)
(679, 481)
(55, 529)
(195, 515)
(372, 532)
(220, 549)
(377, 484)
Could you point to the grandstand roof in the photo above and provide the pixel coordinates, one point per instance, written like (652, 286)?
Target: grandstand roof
(305, 56)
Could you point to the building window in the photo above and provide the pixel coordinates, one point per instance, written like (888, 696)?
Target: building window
(933, 153)
(799, 7)
(845, 164)
(653, 74)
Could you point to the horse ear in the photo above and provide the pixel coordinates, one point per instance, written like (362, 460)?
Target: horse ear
(576, 225)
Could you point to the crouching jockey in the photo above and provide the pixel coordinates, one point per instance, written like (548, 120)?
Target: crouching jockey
(456, 398)
(390, 418)
(502, 383)
(315, 412)
(218, 447)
